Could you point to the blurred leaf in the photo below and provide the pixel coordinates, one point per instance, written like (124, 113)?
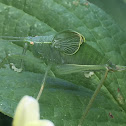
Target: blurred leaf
(116, 8)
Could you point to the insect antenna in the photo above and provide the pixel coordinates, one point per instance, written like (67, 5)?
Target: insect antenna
(13, 39)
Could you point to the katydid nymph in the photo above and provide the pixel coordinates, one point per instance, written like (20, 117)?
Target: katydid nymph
(63, 53)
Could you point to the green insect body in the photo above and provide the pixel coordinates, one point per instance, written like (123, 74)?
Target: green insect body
(66, 47)
(64, 44)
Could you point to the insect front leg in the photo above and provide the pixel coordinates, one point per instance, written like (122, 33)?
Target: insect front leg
(23, 53)
(21, 62)
(43, 82)
(4, 60)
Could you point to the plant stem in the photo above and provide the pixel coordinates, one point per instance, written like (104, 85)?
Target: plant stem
(93, 98)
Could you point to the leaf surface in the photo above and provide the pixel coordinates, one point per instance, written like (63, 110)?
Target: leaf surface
(65, 97)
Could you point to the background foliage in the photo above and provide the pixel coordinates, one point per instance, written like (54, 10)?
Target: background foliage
(65, 97)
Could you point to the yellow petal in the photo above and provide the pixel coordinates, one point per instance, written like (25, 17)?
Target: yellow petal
(40, 123)
(26, 111)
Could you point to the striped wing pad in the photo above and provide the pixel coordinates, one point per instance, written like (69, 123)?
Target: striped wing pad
(68, 41)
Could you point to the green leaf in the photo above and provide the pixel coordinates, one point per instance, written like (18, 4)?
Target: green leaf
(65, 97)
(61, 102)
(115, 8)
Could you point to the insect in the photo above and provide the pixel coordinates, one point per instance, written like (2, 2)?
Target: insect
(63, 54)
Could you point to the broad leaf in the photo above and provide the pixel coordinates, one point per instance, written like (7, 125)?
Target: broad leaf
(116, 8)
(65, 96)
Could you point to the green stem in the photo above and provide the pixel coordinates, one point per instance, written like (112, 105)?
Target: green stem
(93, 98)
